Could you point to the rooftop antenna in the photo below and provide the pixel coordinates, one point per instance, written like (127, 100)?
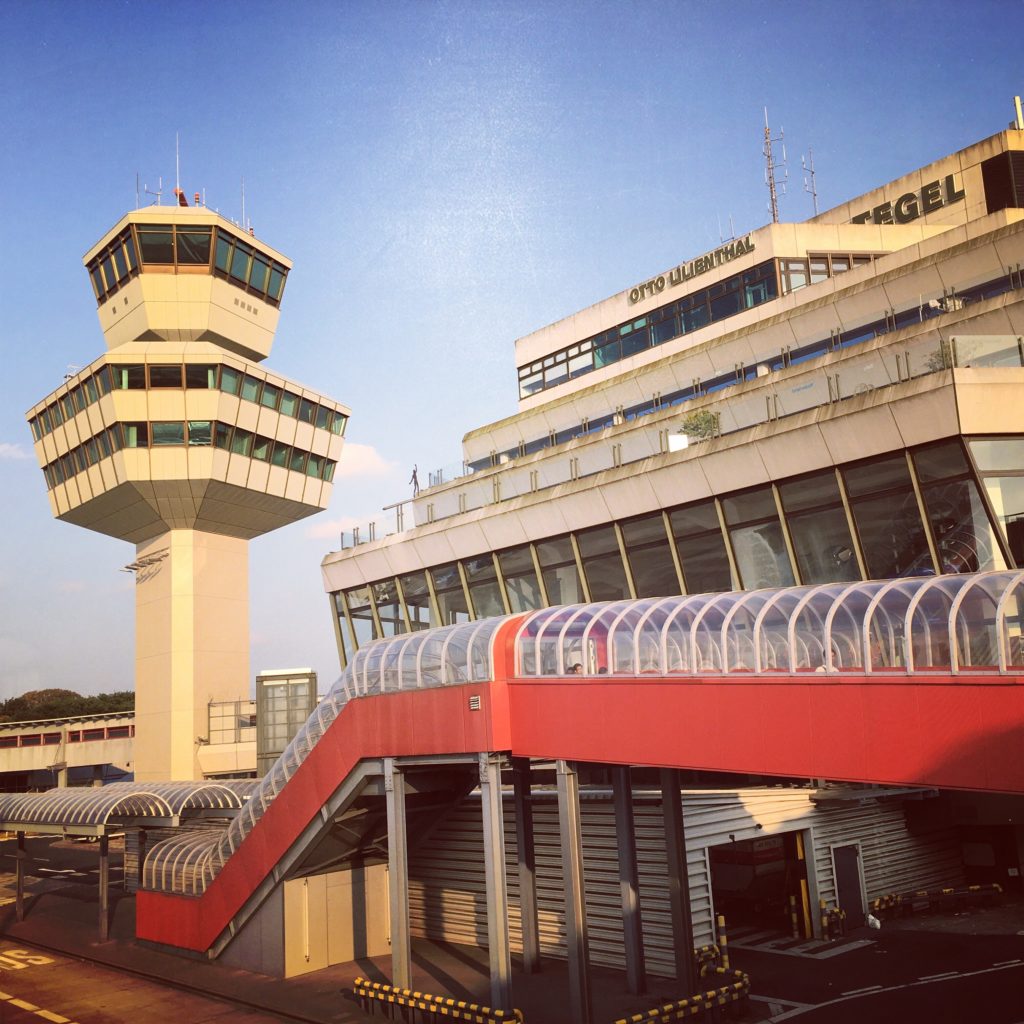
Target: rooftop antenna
(177, 166)
(243, 204)
(732, 231)
(138, 202)
(809, 182)
(1019, 119)
(158, 193)
(771, 170)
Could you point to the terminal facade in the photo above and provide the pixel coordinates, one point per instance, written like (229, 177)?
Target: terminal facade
(826, 401)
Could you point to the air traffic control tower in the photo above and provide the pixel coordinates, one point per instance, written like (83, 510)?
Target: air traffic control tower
(177, 440)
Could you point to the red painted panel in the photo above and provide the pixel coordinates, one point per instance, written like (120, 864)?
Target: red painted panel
(953, 734)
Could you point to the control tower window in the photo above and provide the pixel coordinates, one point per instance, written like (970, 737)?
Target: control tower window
(193, 247)
(168, 433)
(156, 242)
(128, 378)
(198, 376)
(240, 262)
(165, 376)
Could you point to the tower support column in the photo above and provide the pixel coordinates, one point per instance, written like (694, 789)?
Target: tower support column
(191, 645)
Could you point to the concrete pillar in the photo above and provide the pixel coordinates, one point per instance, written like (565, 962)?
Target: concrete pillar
(497, 892)
(678, 880)
(527, 864)
(576, 940)
(398, 876)
(19, 869)
(104, 888)
(629, 885)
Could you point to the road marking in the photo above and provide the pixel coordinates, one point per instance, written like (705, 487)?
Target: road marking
(861, 991)
(936, 977)
(1006, 963)
(54, 1018)
(893, 988)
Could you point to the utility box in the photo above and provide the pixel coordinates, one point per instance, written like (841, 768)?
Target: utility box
(285, 698)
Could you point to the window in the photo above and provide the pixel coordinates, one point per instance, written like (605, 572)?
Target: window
(241, 442)
(156, 243)
(200, 377)
(307, 411)
(200, 433)
(483, 587)
(650, 557)
(250, 388)
(193, 246)
(165, 376)
(128, 378)
(818, 528)
(261, 448)
(558, 567)
(417, 600)
(757, 541)
(289, 404)
(521, 585)
(701, 548)
(451, 598)
(1000, 461)
(271, 396)
(886, 515)
(230, 380)
(222, 436)
(282, 454)
(136, 435)
(389, 610)
(297, 463)
(602, 564)
(168, 433)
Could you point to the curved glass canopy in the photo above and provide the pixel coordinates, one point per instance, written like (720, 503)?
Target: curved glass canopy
(91, 809)
(935, 624)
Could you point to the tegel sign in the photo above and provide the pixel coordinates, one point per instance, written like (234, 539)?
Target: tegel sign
(911, 205)
(686, 271)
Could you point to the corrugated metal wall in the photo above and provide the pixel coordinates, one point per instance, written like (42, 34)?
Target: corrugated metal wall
(446, 890)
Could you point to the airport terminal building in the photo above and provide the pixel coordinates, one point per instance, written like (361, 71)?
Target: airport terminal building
(826, 401)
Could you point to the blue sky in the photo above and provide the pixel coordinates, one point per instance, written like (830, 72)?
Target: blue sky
(446, 176)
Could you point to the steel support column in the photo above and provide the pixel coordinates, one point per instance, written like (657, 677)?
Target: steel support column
(19, 874)
(629, 885)
(678, 880)
(527, 864)
(140, 866)
(571, 841)
(104, 888)
(497, 890)
(398, 876)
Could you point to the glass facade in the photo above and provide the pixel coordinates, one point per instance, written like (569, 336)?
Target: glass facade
(889, 514)
(173, 248)
(137, 377)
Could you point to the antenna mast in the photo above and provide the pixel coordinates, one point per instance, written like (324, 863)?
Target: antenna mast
(809, 182)
(177, 166)
(771, 169)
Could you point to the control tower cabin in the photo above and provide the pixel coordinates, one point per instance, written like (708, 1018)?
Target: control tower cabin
(177, 440)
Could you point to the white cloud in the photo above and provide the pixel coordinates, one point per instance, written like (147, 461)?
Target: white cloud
(13, 451)
(362, 460)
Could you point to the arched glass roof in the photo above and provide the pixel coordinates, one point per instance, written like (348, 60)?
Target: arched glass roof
(936, 624)
(92, 808)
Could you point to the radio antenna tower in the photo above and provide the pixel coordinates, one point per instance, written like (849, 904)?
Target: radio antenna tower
(809, 182)
(772, 170)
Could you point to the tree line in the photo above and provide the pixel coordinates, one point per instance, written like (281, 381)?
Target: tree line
(54, 703)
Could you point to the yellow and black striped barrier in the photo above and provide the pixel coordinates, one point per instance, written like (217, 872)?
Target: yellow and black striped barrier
(371, 992)
(903, 903)
(833, 921)
(702, 1002)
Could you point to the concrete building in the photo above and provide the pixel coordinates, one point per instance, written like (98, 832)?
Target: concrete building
(825, 401)
(177, 440)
